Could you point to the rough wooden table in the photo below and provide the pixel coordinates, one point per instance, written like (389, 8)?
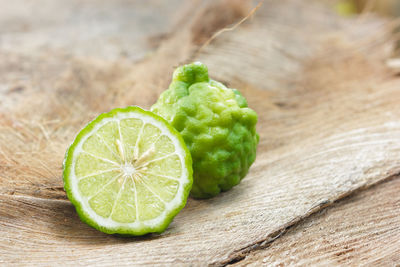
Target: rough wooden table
(325, 188)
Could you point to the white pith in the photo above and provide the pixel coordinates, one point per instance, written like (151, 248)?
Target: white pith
(127, 170)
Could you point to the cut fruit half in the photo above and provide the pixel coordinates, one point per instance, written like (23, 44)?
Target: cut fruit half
(128, 172)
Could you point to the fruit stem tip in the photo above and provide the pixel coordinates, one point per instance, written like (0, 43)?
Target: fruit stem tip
(191, 73)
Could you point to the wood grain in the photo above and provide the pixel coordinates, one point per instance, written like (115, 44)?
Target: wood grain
(360, 230)
(328, 123)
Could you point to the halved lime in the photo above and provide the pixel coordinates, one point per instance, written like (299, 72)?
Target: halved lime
(128, 172)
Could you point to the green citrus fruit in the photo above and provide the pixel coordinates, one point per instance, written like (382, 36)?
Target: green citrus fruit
(128, 172)
(216, 124)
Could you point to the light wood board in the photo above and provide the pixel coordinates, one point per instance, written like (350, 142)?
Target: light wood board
(328, 121)
(363, 229)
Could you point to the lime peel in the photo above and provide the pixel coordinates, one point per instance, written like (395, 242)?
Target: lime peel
(128, 172)
(217, 125)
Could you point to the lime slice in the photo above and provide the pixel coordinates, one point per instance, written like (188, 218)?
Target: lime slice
(128, 172)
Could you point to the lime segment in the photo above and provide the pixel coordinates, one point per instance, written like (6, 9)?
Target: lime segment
(128, 172)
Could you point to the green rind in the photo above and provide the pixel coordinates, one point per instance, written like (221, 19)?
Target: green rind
(125, 230)
(217, 125)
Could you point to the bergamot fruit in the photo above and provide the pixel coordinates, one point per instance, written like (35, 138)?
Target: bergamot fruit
(128, 172)
(216, 124)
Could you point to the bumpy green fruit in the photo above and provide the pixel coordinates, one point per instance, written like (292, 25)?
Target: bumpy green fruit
(216, 124)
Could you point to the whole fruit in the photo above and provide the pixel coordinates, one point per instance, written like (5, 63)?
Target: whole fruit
(216, 124)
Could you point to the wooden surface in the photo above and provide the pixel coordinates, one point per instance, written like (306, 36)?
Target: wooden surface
(329, 123)
(362, 229)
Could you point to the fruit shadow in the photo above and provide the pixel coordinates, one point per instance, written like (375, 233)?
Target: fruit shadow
(65, 225)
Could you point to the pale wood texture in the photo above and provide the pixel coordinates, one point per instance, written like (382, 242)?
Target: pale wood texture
(328, 121)
(363, 229)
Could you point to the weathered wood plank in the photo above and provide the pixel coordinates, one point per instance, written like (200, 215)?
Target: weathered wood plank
(328, 125)
(363, 229)
(68, 40)
(90, 29)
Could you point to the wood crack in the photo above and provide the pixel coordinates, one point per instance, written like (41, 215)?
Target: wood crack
(41, 192)
(31, 197)
(241, 254)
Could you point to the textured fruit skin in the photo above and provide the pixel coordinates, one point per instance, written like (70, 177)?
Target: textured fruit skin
(216, 124)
